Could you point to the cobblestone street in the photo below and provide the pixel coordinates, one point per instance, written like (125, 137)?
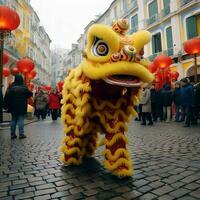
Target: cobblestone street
(166, 161)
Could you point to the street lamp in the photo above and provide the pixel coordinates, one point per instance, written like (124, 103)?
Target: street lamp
(192, 47)
(9, 21)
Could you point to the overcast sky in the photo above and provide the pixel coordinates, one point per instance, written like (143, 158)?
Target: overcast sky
(64, 20)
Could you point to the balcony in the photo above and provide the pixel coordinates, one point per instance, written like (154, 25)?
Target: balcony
(151, 57)
(165, 11)
(169, 52)
(12, 51)
(152, 19)
(133, 30)
(184, 2)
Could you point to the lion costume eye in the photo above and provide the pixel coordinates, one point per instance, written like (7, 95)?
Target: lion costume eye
(100, 47)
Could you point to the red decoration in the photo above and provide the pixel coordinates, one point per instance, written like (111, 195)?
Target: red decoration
(192, 46)
(14, 71)
(174, 75)
(31, 86)
(60, 85)
(162, 61)
(31, 75)
(152, 68)
(25, 65)
(40, 88)
(5, 58)
(47, 87)
(9, 19)
(6, 72)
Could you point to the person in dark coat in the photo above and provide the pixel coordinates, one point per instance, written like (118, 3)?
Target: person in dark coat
(166, 95)
(15, 101)
(177, 100)
(187, 100)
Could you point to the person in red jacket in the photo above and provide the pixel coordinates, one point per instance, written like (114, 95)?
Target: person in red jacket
(54, 104)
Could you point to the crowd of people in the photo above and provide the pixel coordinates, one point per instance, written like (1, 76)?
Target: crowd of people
(180, 103)
(16, 101)
(47, 104)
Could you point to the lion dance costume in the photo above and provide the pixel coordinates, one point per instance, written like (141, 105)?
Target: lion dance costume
(99, 95)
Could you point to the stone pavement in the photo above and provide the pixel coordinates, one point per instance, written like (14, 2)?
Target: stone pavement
(166, 161)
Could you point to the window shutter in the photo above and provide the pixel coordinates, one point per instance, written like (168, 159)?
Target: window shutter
(153, 9)
(166, 3)
(153, 45)
(191, 25)
(169, 37)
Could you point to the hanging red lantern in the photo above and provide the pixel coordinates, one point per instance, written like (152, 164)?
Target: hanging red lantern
(14, 71)
(25, 65)
(192, 46)
(31, 75)
(9, 19)
(5, 58)
(152, 68)
(47, 88)
(162, 61)
(6, 72)
(174, 75)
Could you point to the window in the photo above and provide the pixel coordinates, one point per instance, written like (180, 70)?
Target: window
(134, 23)
(115, 12)
(191, 26)
(153, 12)
(156, 43)
(24, 21)
(169, 41)
(166, 9)
(125, 4)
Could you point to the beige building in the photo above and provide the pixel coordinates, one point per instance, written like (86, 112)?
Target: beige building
(171, 23)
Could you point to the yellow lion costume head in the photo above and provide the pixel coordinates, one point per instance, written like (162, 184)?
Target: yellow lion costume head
(99, 95)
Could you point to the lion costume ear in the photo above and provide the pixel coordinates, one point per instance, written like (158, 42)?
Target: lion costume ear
(140, 38)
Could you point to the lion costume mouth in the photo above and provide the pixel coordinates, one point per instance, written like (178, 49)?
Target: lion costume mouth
(124, 80)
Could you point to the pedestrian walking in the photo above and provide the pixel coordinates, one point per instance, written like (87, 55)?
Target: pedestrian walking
(15, 101)
(166, 95)
(41, 102)
(54, 104)
(146, 106)
(187, 101)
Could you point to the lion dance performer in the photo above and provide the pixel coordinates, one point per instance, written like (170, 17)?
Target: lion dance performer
(99, 95)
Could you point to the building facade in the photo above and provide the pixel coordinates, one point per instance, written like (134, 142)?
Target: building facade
(59, 58)
(171, 23)
(28, 40)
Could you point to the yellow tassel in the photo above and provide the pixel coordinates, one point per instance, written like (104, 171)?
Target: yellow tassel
(118, 153)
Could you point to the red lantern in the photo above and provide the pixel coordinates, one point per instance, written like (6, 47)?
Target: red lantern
(14, 71)
(192, 46)
(174, 75)
(9, 19)
(60, 85)
(152, 68)
(162, 61)
(25, 65)
(5, 58)
(47, 88)
(6, 72)
(31, 75)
